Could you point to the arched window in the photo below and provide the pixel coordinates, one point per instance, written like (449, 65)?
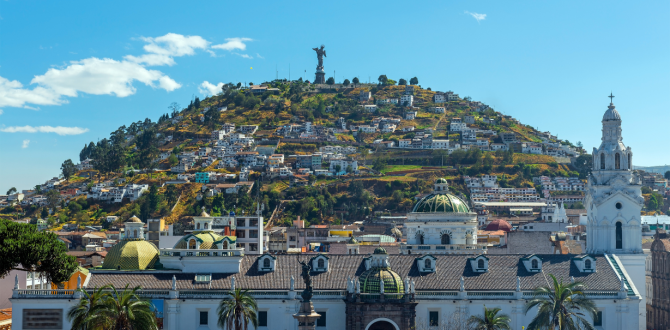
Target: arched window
(446, 239)
(630, 162)
(617, 161)
(191, 244)
(602, 161)
(480, 263)
(419, 237)
(135, 233)
(533, 264)
(205, 225)
(266, 263)
(197, 225)
(587, 264)
(224, 245)
(320, 263)
(619, 236)
(427, 264)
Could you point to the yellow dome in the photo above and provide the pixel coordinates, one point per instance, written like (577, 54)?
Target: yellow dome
(204, 239)
(134, 219)
(131, 254)
(372, 279)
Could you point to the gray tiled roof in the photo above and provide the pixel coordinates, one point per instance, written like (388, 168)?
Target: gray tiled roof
(502, 274)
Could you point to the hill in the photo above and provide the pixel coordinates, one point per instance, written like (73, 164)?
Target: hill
(381, 145)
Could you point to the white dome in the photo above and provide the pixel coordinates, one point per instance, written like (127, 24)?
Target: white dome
(611, 113)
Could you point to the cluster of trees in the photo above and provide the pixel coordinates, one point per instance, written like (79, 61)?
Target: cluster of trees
(385, 81)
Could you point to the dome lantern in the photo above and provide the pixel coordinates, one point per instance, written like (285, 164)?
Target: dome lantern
(134, 228)
(440, 186)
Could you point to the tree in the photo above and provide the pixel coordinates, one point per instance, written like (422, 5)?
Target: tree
(355, 80)
(85, 315)
(238, 312)
(175, 107)
(24, 248)
(390, 82)
(53, 197)
(11, 191)
(171, 194)
(107, 308)
(173, 160)
(667, 175)
(330, 81)
(338, 168)
(402, 81)
(379, 164)
(414, 81)
(45, 213)
(382, 79)
(68, 169)
(563, 308)
(490, 320)
(38, 189)
(346, 82)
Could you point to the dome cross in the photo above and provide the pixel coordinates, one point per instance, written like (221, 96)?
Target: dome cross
(611, 97)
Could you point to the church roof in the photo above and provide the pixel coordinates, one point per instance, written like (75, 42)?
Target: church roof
(441, 203)
(502, 274)
(611, 113)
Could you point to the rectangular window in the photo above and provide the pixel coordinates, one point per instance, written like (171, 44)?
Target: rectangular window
(253, 222)
(321, 322)
(433, 318)
(203, 277)
(262, 319)
(253, 234)
(291, 238)
(241, 234)
(203, 318)
(598, 322)
(241, 223)
(253, 247)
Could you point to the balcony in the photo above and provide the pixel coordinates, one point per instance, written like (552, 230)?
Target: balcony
(202, 253)
(443, 249)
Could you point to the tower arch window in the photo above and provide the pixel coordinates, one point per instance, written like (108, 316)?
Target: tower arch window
(446, 239)
(617, 161)
(135, 233)
(205, 225)
(266, 263)
(619, 235)
(630, 162)
(197, 225)
(480, 263)
(602, 161)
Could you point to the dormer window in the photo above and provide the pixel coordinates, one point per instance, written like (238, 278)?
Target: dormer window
(426, 263)
(534, 264)
(320, 263)
(267, 263)
(203, 278)
(585, 263)
(479, 264)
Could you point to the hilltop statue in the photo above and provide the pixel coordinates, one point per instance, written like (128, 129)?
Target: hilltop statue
(320, 74)
(307, 293)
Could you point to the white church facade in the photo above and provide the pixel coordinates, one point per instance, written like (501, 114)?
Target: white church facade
(440, 273)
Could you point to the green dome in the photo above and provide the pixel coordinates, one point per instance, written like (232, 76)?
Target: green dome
(441, 180)
(131, 254)
(441, 203)
(352, 240)
(370, 281)
(380, 250)
(204, 239)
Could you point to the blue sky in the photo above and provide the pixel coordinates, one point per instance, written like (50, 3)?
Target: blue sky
(73, 72)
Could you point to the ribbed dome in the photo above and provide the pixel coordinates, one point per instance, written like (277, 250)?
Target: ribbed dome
(441, 180)
(611, 113)
(352, 240)
(499, 224)
(380, 250)
(370, 281)
(131, 254)
(204, 240)
(134, 219)
(441, 203)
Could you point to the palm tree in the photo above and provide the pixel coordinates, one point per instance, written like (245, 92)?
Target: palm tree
(563, 308)
(85, 314)
(126, 311)
(238, 312)
(490, 320)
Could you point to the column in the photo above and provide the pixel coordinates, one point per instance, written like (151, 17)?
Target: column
(171, 314)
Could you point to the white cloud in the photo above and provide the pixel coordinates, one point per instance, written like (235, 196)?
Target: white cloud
(1, 112)
(243, 55)
(60, 130)
(25, 144)
(12, 94)
(207, 88)
(259, 56)
(233, 43)
(162, 49)
(478, 17)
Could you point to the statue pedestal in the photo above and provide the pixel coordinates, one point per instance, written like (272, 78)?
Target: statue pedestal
(320, 77)
(306, 316)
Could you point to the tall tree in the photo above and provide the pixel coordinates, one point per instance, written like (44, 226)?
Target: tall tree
(564, 307)
(175, 107)
(38, 189)
(355, 80)
(86, 314)
(238, 312)
(382, 79)
(24, 248)
(402, 81)
(667, 175)
(154, 198)
(414, 81)
(11, 191)
(45, 213)
(171, 194)
(491, 320)
(346, 82)
(53, 197)
(126, 310)
(330, 81)
(68, 169)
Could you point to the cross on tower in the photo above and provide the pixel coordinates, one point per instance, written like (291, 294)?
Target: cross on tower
(611, 97)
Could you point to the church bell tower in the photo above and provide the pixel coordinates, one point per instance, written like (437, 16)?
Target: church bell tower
(613, 203)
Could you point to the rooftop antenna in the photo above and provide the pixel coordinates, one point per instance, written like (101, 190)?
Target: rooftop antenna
(611, 97)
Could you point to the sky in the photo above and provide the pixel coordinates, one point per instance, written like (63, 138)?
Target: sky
(71, 73)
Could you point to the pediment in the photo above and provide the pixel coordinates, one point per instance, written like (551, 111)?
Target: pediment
(616, 193)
